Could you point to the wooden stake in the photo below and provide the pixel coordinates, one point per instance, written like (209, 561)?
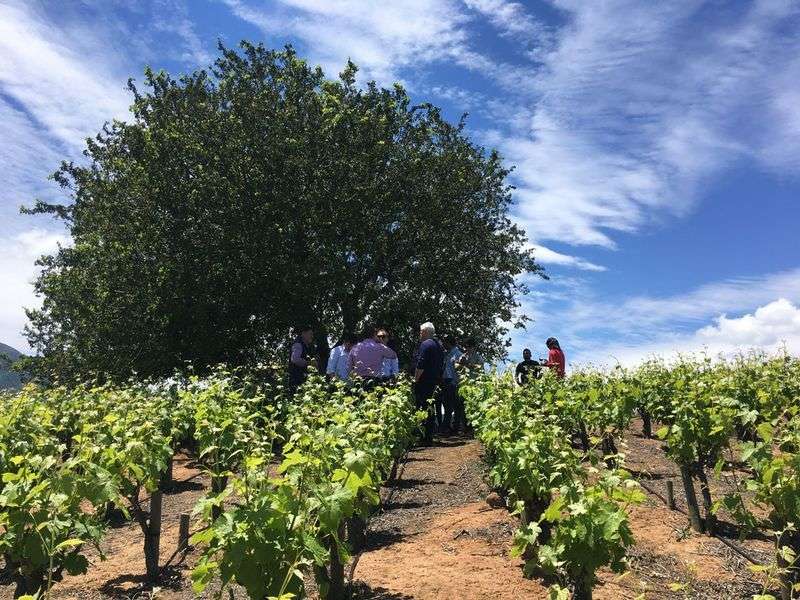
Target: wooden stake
(152, 540)
(670, 494)
(183, 533)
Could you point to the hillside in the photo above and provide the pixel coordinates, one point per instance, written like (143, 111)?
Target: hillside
(8, 379)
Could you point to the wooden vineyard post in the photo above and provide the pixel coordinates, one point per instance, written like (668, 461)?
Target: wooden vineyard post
(152, 540)
(670, 494)
(691, 499)
(183, 533)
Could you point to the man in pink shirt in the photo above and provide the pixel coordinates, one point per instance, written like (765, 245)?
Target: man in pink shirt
(366, 357)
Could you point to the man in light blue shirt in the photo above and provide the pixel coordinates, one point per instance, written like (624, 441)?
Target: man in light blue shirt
(339, 360)
(453, 407)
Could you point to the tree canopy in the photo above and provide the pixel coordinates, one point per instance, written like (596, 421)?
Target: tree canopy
(239, 202)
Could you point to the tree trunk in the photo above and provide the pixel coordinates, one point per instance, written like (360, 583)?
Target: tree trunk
(331, 580)
(691, 499)
(166, 478)
(705, 492)
(584, 437)
(647, 426)
(531, 513)
(583, 588)
(218, 485)
(356, 533)
(609, 450)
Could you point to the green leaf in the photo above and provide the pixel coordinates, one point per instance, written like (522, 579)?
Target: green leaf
(69, 543)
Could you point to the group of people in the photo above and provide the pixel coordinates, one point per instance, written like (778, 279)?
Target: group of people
(532, 369)
(437, 367)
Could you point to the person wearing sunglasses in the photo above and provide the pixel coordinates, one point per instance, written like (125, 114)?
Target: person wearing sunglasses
(366, 357)
(390, 366)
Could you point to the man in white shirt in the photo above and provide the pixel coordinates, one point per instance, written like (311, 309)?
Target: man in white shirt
(339, 360)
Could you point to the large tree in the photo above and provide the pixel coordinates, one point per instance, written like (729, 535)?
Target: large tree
(240, 202)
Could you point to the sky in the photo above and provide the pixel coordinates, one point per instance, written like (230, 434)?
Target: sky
(655, 145)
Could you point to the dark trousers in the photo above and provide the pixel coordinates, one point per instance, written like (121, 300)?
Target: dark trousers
(459, 416)
(447, 398)
(422, 396)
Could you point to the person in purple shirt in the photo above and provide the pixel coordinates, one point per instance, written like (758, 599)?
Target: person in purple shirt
(366, 357)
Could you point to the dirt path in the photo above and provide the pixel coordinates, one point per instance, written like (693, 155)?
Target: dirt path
(438, 538)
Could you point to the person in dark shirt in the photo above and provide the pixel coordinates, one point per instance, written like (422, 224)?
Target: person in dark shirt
(428, 374)
(301, 357)
(528, 369)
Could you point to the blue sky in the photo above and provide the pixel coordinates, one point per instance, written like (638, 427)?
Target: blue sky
(656, 145)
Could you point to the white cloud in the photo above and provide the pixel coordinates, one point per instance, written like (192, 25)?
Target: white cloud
(638, 106)
(767, 327)
(511, 18)
(771, 328)
(546, 256)
(17, 264)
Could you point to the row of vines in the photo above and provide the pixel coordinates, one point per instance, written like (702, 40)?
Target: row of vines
(292, 482)
(553, 446)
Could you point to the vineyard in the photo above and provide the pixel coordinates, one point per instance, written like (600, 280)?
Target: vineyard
(299, 492)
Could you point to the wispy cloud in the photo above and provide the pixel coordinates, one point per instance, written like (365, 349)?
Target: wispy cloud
(512, 19)
(61, 78)
(638, 105)
(381, 37)
(172, 16)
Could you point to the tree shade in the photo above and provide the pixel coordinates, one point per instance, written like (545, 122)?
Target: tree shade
(239, 202)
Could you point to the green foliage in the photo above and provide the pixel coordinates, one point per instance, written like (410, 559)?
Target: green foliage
(573, 518)
(236, 203)
(43, 495)
(341, 447)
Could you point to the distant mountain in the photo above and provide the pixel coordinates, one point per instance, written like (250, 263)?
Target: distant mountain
(9, 379)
